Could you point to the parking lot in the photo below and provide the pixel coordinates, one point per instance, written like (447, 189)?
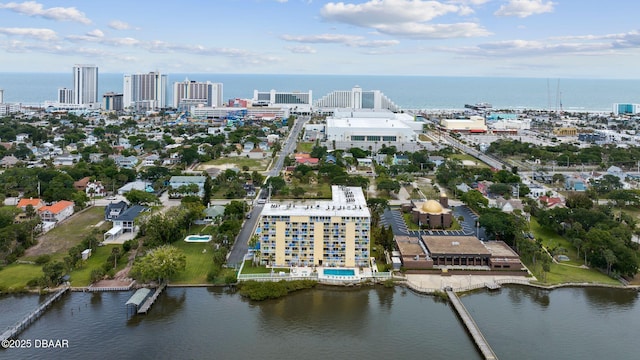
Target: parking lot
(468, 224)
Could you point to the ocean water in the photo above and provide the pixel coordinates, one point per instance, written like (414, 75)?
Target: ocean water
(409, 92)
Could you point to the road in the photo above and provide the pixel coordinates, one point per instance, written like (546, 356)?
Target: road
(241, 244)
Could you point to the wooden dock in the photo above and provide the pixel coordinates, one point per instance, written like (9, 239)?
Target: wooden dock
(471, 326)
(13, 331)
(147, 304)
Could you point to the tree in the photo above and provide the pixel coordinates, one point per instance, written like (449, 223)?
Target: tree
(578, 200)
(610, 258)
(388, 186)
(53, 272)
(140, 197)
(160, 264)
(277, 184)
(474, 199)
(208, 190)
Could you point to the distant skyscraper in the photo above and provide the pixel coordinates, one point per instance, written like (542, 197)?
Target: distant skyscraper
(112, 101)
(85, 84)
(143, 92)
(65, 96)
(1, 96)
(191, 93)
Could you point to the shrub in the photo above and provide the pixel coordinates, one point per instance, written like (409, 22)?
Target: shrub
(96, 275)
(43, 259)
(259, 291)
(230, 279)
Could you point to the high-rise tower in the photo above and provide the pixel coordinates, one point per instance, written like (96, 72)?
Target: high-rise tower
(85, 84)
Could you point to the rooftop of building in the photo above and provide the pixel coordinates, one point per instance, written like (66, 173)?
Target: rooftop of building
(409, 246)
(463, 245)
(366, 122)
(345, 201)
(500, 249)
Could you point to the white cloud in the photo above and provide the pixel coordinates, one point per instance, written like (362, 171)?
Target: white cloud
(119, 25)
(379, 12)
(514, 48)
(406, 18)
(374, 43)
(32, 8)
(322, 38)
(304, 49)
(436, 31)
(96, 33)
(282, 1)
(97, 36)
(525, 8)
(39, 34)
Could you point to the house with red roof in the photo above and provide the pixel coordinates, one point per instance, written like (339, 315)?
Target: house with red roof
(550, 202)
(22, 205)
(57, 211)
(81, 184)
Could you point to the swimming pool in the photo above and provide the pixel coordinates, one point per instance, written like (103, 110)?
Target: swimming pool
(339, 272)
(198, 238)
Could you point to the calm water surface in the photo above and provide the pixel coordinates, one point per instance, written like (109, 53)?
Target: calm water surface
(375, 323)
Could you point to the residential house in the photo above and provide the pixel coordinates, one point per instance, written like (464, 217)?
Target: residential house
(288, 172)
(550, 202)
(264, 146)
(95, 188)
(135, 185)
(56, 212)
(507, 206)
(124, 223)
(575, 184)
(256, 153)
(330, 159)
(9, 161)
(177, 181)
(437, 160)
(22, 205)
(213, 213)
(22, 138)
(95, 157)
(150, 160)
(463, 188)
(81, 184)
(400, 159)
(113, 210)
(127, 162)
(617, 172)
(66, 160)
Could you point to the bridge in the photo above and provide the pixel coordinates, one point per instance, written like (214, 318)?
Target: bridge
(471, 326)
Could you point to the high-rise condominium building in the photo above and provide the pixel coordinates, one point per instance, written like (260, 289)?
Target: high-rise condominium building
(332, 232)
(112, 101)
(193, 93)
(142, 92)
(65, 96)
(85, 84)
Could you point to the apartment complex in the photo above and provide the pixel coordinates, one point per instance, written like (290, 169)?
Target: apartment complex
(356, 98)
(144, 92)
(85, 85)
(194, 93)
(325, 233)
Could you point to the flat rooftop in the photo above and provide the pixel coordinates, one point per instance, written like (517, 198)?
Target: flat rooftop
(409, 246)
(366, 122)
(500, 249)
(462, 245)
(345, 201)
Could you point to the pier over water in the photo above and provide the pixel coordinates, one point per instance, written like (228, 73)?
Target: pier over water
(13, 331)
(471, 326)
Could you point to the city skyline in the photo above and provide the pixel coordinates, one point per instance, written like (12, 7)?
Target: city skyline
(512, 38)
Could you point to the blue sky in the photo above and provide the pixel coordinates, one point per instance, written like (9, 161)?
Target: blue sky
(518, 38)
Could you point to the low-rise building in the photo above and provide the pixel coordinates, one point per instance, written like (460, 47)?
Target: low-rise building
(56, 212)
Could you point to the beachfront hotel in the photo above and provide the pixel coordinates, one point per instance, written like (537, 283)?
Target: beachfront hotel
(85, 85)
(190, 93)
(356, 98)
(298, 102)
(143, 92)
(325, 233)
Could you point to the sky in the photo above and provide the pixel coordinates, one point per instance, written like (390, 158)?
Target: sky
(507, 38)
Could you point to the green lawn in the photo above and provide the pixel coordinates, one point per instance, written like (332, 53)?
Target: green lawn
(562, 273)
(82, 276)
(305, 147)
(199, 263)
(14, 277)
(469, 157)
(321, 190)
(60, 239)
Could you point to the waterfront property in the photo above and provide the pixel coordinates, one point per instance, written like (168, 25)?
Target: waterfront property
(322, 233)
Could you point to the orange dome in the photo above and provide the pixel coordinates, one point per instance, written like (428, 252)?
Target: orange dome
(431, 207)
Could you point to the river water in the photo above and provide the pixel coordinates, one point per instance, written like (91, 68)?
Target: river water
(334, 323)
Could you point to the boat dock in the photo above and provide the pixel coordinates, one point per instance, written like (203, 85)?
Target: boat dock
(13, 331)
(471, 326)
(147, 304)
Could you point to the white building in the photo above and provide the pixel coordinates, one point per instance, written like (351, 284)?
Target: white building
(112, 101)
(472, 124)
(85, 85)
(298, 102)
(192, 93)
(332, 232)
(65, 96)
(622, 109)
(259, 113)
(143, 92)
(1, 96)
(356, 98)
(369, 130)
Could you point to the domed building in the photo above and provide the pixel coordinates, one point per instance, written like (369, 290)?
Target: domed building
(432, 214)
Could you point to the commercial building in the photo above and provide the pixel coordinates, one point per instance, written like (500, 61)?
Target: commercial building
(298, 102)
(256, 113)
(626, 109)
(85, 85)
(193, 93)
(472, 124)
(369, 130)
(65, 96)
(325, 233)
(1, 96)
(145, 92)
(356, 98)
(112, 101)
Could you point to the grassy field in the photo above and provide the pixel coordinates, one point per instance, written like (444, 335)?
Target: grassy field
(304, 147)
(568, 271)
(82, 276)
(240, 162)
(70, 233)
(14, 277)
(199, 263)
(462, 157)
